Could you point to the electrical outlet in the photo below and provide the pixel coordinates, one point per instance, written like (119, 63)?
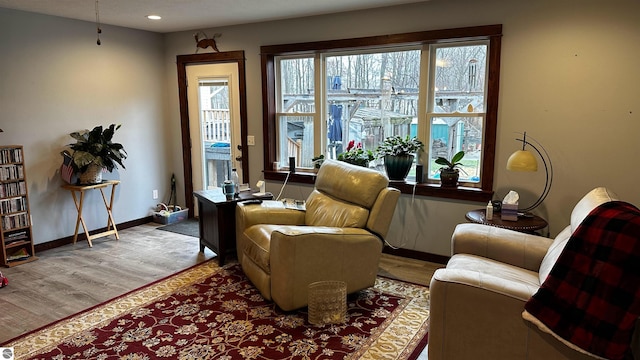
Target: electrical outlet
(155, 194)
(251, 140)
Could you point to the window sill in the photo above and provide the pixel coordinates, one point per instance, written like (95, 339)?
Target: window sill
(431, 190)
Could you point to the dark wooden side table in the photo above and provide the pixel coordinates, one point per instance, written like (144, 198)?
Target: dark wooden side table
(528, 224)
(217, 220)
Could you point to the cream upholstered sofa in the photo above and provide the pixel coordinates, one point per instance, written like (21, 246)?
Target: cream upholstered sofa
(476, 302)
(338, 237)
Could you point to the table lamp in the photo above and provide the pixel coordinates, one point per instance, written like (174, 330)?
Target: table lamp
(524, 160)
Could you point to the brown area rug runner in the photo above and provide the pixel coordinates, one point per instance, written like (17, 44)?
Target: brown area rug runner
(209, 312)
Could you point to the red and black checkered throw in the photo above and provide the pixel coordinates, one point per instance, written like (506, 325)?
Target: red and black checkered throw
(591, 298)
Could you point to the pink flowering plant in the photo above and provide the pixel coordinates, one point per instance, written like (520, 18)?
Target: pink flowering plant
(356, 155)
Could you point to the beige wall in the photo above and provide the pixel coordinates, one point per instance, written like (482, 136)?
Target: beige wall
(54, 80)
(568, 77)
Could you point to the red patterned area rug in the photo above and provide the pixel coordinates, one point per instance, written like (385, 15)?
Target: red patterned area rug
(212, 312)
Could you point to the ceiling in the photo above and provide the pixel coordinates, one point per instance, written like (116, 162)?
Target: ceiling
(181, 15)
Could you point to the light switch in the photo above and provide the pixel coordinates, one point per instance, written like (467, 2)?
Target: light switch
(251, 140)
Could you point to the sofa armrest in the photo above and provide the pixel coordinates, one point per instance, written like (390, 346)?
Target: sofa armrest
(507, 246)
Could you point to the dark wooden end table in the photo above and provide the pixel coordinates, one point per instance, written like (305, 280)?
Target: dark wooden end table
(528, 224)
(217, 220)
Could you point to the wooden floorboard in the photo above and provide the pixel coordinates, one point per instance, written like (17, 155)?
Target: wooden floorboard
(71, 278)
(412, 270)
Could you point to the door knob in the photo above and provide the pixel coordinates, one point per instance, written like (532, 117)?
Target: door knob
(239, 147)
(238, 158)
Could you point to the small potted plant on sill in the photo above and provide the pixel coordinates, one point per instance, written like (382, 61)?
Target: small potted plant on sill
(398, 153)
(450, 170)
(317, 161)
(356, 155)
(94, 151)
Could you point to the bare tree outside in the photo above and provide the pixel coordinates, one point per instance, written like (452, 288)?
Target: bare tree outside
(372, 95)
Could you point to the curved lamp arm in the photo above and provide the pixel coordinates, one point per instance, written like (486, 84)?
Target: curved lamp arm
(548, 168)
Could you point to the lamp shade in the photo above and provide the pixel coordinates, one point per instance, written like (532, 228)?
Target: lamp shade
(522, 160)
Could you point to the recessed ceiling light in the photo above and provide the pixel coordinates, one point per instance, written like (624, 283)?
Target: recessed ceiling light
(154, 17)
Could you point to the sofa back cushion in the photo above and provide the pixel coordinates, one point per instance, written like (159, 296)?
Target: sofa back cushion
(594, 198)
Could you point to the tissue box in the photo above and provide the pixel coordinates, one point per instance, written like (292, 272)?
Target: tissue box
(509, 212)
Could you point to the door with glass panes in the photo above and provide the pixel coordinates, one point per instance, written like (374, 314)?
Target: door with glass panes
(214, 122)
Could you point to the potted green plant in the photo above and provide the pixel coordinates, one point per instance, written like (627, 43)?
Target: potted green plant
(450, 170)
(356, 155)
(94, 151)
(398, 153)
(317, 161)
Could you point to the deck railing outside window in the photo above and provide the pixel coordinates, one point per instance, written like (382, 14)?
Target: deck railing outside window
(215, 127)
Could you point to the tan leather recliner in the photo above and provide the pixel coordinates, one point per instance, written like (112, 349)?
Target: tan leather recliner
(338, 237)
(476, 302)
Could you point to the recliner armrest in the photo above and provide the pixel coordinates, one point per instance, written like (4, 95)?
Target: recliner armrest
(507, 246)
(382, 211)
(470, 313)
(268, 212)
(484, 282)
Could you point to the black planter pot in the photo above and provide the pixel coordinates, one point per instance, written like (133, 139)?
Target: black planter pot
(449, 178)
(398, 167)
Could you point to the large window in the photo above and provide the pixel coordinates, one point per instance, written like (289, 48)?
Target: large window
(456, 107)
(370, 95)
(440, 86)
(296, 110)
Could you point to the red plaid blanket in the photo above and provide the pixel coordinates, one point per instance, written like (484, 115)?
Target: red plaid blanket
(591, 298)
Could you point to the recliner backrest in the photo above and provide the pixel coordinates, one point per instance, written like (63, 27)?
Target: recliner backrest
(350, 183)
(347, 195)
(324, 210)
(590, 201)
(593, 199)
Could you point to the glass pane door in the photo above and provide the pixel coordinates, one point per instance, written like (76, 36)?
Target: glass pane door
(215, 124)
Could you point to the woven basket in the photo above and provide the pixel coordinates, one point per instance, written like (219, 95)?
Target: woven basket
(327, 302)
(93, 175)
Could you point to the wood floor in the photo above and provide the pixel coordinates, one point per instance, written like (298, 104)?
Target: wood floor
(71, 278)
